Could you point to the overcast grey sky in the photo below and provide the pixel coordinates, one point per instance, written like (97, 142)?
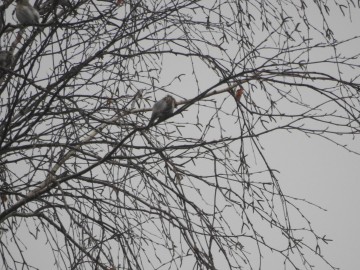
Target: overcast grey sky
(310, 168)
(328, 176)
(325, 174)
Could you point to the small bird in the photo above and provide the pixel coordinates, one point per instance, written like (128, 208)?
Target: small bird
(6, 59)
(162, 109)
(26, 13)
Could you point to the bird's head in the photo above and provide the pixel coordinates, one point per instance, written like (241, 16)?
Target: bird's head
(171, 101)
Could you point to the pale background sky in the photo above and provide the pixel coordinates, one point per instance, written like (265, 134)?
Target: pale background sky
(322, 173)
(327, 175)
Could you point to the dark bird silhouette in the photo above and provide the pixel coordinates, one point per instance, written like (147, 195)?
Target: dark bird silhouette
(26, 13)
(162, 109)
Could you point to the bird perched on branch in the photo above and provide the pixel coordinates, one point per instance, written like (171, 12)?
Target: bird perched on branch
(162, 109)
(26, 13)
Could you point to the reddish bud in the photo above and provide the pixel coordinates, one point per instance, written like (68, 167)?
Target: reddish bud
(239, 93)
(120, 2)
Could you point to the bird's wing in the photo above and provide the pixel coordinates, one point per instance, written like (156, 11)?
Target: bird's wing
(36, 14)
(24, 14)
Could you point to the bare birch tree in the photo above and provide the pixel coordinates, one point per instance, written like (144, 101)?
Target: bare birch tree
(84, 177)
